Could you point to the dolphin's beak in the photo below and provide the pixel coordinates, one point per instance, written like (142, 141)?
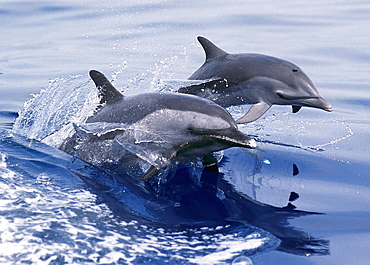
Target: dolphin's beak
(251, 143)
(243, 141)
(318, 102)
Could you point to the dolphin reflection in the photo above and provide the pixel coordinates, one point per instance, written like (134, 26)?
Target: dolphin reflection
(181, 199)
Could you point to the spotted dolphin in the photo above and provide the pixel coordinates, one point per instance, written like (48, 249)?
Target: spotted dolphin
(256, 79)
(156, 127)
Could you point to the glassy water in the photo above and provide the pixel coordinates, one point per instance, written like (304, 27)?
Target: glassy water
(57, 210)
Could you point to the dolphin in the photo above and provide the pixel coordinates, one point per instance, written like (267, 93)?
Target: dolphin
(156, 127)
(257, 79)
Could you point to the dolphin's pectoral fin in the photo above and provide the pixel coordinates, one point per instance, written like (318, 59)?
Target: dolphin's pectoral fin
(109, 94)
(295, 109)
(256, 111)
(151, 172)
(162, 161)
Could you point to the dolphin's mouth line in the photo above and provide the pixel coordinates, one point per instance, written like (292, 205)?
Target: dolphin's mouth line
(282, 96)
(316, 102)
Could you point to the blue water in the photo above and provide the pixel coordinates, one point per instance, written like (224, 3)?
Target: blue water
(55, 209)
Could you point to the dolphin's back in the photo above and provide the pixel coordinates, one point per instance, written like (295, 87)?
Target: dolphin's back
(237, 68)
(115, 108)
(132, 109)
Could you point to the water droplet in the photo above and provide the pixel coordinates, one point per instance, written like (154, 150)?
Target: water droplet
(242, 260)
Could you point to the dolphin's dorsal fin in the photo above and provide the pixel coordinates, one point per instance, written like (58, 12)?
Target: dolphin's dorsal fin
(211, 50)
(256, 111)
(109, 94)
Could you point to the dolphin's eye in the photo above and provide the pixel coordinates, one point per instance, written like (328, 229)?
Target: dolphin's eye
(295, 70)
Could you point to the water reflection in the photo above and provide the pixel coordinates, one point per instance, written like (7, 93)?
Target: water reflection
(185, 198)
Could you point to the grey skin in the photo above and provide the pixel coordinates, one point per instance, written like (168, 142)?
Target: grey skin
(157, 127)
(256, 79)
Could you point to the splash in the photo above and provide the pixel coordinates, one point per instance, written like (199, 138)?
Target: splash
(334, 141)
(65, 100)
(49, 115)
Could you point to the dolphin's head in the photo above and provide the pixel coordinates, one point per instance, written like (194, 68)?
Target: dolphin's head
(206, 129)
(284, 83)
(299, 89)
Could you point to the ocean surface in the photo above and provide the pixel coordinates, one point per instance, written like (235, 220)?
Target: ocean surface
(302, 197)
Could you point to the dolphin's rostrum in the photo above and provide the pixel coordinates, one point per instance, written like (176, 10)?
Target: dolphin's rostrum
(156, 127)
(256, 79)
